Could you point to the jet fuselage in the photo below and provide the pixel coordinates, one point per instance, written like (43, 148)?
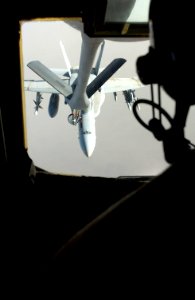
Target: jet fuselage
(85, 116)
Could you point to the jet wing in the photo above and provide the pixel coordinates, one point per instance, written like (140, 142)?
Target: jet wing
(57, 83)
(121, 84)
(39, 86)
(63, 73)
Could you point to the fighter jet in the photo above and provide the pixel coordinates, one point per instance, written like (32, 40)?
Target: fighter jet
(83, 88)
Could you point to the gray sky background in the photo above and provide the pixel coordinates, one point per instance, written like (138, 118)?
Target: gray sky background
(123, 146)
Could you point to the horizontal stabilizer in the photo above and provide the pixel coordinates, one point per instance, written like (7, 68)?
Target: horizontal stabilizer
(40, 86)
(50, 77)
(104, 76)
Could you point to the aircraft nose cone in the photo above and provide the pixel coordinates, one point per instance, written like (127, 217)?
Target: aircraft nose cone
(87, 134)
(88, 144)
(89, 152)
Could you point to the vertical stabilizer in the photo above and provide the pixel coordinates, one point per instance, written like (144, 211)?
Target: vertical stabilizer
(65, 56)
(97, 66)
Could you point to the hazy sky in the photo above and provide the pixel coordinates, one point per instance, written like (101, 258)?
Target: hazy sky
(123, 146)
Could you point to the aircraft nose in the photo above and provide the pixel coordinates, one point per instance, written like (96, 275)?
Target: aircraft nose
(89, 152)
(87, 134)
(88, 144)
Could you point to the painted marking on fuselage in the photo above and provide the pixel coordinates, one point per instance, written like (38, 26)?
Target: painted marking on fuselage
(87, 132)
